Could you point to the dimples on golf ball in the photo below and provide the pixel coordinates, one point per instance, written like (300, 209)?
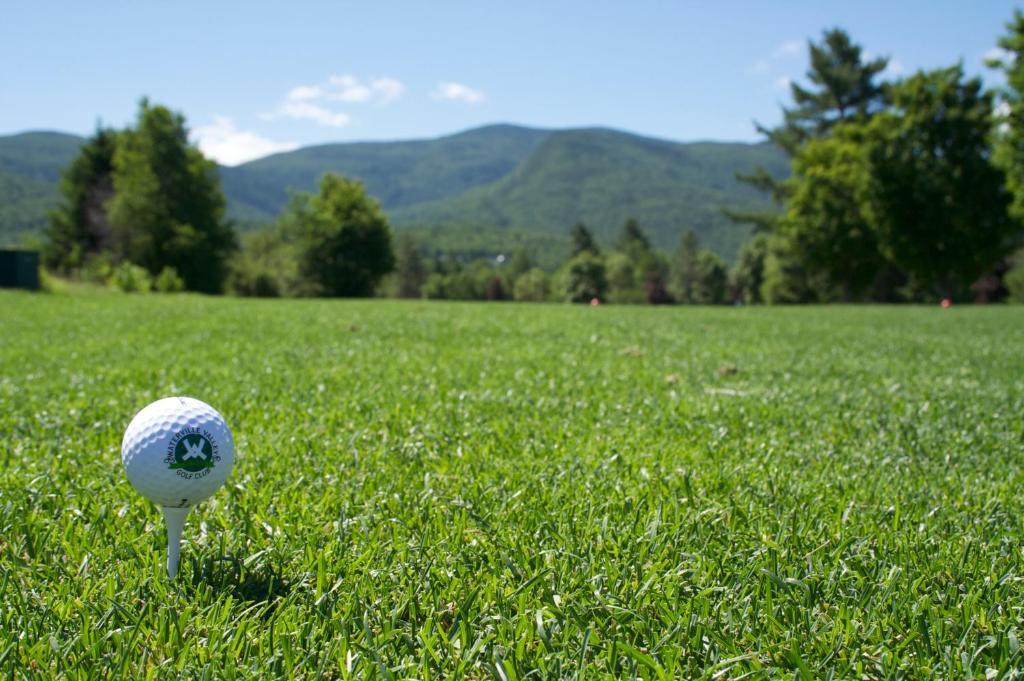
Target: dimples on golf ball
(177, 451)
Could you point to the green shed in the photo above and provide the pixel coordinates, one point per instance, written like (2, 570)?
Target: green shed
(19, 269)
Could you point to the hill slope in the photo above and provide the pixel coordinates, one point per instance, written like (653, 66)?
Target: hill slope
(30, 168)
(397, 173)
(497, 180)
(604, 177)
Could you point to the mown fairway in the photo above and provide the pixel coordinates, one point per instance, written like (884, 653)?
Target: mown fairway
(458, 490)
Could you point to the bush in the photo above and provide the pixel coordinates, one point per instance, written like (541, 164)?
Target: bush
(265, 267)
(452, 286)
(1014, 282)
(168, 281)
(131, 278)
(583, 279)
(532, 286)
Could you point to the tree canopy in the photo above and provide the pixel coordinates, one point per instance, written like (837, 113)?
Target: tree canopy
(144, 195)
(344, 238)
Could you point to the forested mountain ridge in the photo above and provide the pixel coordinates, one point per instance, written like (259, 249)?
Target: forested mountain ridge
(494, 178)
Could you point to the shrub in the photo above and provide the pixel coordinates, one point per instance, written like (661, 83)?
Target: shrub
(583, 279)
(532, 286)
(168, 281)
(131, 278)
(1014, 282)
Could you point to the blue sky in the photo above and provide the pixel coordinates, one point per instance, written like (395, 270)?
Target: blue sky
(255, 77)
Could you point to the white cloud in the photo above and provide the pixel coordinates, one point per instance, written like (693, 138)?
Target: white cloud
(790, 48)
(310, 102)
(761, 66)
(303, 92)
(457, 92)
(783, 82)
(229, 146)
(350, 89)
(305, 110)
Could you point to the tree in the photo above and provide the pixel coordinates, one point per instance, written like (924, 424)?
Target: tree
(79, 228)
(620, 274)
(532, 286)
(168, 208)
(655, 290)
(410, 270)
(518, 265)
(632, 240)
(583, 241)
(825, 219)
(344, 238)
(711, 280)
(1014, 278)
(583, 279)
(685, 272)
(843, 88)
(494, 290)
(266, 266)
(938, 204)
(747, 275)
(1010, 143)
(785, 279)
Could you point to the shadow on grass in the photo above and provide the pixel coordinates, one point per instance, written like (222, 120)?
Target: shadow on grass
(252, 582)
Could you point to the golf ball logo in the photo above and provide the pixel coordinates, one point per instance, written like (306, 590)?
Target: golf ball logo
(192, 452)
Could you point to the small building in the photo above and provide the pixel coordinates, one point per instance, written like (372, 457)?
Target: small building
(19, 269)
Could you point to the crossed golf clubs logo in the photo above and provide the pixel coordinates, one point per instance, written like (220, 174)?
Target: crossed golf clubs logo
(194, 451)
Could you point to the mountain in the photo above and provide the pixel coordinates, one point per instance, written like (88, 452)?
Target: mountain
(604, 177)
(398, 174)
(30, 168)
(496, 182)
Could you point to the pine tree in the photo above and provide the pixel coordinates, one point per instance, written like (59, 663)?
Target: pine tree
(685, 268)
(168, 208)
(583, 241)
(843, 88)
(79, 228)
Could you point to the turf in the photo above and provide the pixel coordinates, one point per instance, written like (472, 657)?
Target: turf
(442, 490)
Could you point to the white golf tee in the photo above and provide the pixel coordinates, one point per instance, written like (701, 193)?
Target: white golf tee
(174, 518)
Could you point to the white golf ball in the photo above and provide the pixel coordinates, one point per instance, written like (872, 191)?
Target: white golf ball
(177, 451)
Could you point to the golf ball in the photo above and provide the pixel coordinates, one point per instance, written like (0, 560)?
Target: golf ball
(177, 451)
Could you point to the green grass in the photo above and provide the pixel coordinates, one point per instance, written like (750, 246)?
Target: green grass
(511, 491)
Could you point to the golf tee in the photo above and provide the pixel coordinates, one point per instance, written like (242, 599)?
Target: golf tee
(174, 518)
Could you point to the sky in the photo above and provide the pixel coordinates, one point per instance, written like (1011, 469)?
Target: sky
(254, 78)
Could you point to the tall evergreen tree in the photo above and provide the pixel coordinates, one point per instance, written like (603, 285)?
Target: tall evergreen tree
(632, 240)
(843, 87)
(583, 241)
(168, 208)
(79, 228)
(685, 268)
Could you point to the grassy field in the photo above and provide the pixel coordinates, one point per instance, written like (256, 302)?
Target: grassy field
(473, 491)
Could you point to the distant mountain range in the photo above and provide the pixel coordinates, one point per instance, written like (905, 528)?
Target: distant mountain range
(499, 179)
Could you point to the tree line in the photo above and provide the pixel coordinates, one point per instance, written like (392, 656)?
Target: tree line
(901, 190)
(906, 190)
